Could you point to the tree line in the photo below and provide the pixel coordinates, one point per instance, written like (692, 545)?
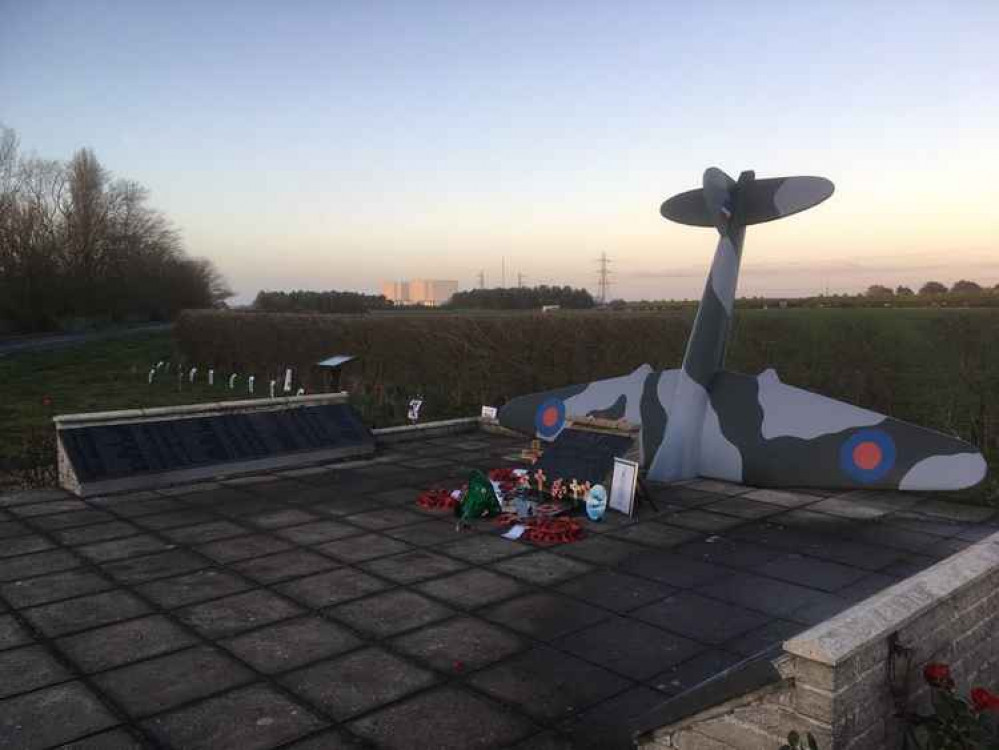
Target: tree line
(522, 298)
(319, 302)
(930, 288)
(77, 243)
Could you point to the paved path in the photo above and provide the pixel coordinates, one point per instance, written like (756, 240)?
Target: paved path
(62, 340)
(322, 608)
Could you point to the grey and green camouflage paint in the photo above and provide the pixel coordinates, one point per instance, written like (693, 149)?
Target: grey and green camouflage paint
(700, 420)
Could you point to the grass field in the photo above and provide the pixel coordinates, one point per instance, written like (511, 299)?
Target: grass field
(96, 376)
(935, 367)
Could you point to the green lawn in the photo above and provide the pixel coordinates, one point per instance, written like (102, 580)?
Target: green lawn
(97, 376)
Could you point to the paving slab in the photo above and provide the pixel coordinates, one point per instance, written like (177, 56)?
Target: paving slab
(72, 519)
(117, 549)
(195, 587)
(545, 616)
(159, 684)
(365, 547)
(413, 566)
(173, 519)
(51, 716)
(54, 586)
(483, 548)
(426, 533)
(205, 532)
(459, 645)
(236, 613)
(318, 532)
(275, 519)
(616, 591)
(694, 671)
(243, 547)
(114, 739)
(10, 529)
(461, 722)
(85, 612)
(250, 718)
(542, 568)
(36, 564)
(549, 684)
(291, 644)
(23, 545)
(382, 615)
(24, 669)
(283, 565)
(98, 532)
(334, 587)
(812, 572)
(699, 618)
(472, 588)
(358, 682)
(159, 565)
(701, 520)
(121, 643)
(12, 633)
(630, 647)
(607, 726)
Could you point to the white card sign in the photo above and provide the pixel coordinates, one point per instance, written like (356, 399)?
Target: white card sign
(489, 412)
(623, 482)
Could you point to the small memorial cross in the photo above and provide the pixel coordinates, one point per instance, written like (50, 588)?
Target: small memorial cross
(539, 477)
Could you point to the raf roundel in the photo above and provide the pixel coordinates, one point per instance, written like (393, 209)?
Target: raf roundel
(867, 455)
(550, 418)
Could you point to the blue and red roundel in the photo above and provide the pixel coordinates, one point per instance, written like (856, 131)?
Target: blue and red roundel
(867, 455)
(550, 418)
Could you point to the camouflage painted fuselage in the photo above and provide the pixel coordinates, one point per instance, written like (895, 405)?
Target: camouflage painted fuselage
(700, 420)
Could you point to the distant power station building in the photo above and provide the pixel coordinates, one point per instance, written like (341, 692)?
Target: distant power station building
(428, 292)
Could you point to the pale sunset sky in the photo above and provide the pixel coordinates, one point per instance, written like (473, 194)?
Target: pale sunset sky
(333, 145)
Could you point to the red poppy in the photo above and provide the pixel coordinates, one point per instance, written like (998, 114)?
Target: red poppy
(938, 675)
(983, 700)
(502, 475)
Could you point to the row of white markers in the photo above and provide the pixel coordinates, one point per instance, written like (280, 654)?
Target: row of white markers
(250, 381)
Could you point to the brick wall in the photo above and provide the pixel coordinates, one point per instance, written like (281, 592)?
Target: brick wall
(835, 677)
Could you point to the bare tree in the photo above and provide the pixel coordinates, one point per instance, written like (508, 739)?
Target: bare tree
(75, 242)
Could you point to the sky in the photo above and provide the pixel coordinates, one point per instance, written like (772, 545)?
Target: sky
(334, 145)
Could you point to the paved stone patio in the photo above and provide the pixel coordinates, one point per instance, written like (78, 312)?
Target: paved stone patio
(322, 608)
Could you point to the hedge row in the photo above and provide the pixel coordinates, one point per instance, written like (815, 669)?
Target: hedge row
(939, 368)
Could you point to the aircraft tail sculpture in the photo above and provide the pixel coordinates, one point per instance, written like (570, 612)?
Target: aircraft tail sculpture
(701, 420)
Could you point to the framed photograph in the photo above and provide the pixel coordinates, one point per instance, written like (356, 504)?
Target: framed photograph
(623, 482)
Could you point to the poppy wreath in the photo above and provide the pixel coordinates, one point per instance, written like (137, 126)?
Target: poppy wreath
(436, 500)
(545, 532)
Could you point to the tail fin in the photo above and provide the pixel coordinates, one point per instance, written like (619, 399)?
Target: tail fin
(757, 202)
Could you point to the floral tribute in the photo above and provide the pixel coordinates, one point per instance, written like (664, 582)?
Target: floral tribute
(956, 723)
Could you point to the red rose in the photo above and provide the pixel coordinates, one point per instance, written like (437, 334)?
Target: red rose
(938, 675)
(983, 700)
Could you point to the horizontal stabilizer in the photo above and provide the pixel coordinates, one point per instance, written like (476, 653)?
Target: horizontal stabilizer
(789, 437)
(756, 202)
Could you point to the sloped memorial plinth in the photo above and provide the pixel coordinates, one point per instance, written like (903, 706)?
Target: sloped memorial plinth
(147, 448)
